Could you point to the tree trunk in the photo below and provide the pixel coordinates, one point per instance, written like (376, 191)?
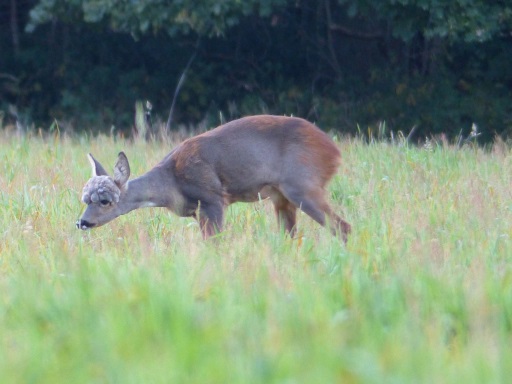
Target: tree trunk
(15, 34)
(330, 42)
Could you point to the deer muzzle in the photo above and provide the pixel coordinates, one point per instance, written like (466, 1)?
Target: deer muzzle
(84, 225)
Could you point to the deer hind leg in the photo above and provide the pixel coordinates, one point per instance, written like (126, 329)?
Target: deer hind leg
(210, 217)
(337, 225)
(313, 203)
(285, 212)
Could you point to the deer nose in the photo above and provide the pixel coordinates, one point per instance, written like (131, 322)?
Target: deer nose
(83, 224)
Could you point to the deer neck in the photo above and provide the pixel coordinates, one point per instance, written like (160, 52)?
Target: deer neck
(156, 188)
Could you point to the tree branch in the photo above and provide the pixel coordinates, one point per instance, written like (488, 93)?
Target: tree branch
(355, 34)
(180, 83)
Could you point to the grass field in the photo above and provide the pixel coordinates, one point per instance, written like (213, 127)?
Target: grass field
(422, 293)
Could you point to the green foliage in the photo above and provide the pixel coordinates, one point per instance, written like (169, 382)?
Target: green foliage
(208, 17)
(459, 20)
(441, 66)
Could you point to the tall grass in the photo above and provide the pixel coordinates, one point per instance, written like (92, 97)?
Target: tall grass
(421, 293)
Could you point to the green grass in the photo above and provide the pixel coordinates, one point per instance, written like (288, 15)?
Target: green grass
(422, 293)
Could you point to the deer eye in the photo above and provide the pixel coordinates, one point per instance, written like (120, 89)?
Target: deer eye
(105, 202)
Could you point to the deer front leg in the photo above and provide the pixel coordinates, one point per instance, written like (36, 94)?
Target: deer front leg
(210, 217)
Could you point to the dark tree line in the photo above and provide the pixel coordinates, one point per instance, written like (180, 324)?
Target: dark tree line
(348, 65)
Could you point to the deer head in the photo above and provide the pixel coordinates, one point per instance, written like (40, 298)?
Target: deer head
(103, 193)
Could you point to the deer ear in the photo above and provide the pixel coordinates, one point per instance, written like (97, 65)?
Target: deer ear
(121, 170)
(97, 169)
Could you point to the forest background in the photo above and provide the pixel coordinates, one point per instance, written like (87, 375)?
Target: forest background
(426, 66)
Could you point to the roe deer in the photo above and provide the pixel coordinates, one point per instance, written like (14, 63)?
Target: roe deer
(286, 159)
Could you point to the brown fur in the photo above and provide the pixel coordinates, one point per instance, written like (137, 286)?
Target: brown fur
(322, 155)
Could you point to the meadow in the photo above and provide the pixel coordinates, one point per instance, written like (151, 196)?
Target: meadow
(422, 292)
